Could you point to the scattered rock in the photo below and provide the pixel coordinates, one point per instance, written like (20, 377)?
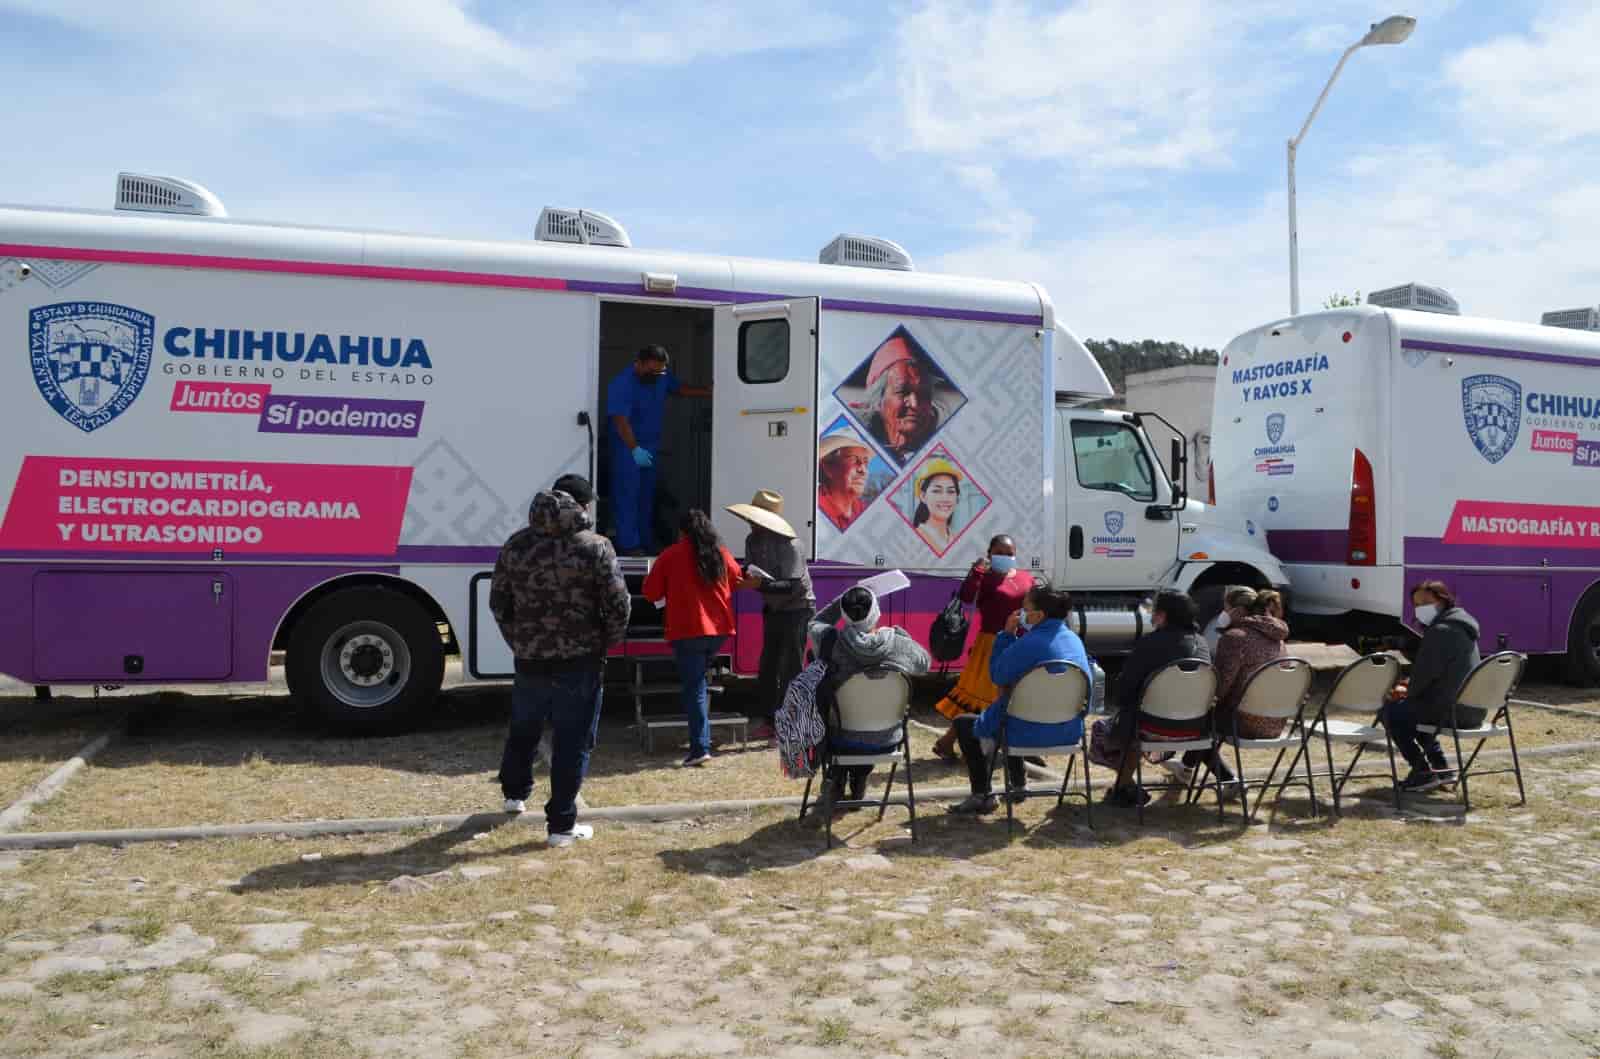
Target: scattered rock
(275, 937)
(868, 862)
(310, 858)
(235, 961)
(16, 991)
(1118, 992)
(897, 964)
(687, 1040)
(111, 924)
(609, 985)
(1403, 1010)
(474, 872)
(407, 885)
(253, 1029)
(1334, 1050)
(50, 966)
(542, 911)
(178, 945)
(476, 1017)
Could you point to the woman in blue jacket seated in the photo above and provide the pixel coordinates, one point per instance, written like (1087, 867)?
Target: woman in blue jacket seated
(1037, 633)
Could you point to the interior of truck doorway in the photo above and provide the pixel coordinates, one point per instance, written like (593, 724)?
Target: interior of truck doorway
(683, 457)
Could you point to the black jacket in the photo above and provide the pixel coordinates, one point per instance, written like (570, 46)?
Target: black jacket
(1448, 653)
(1167, 644)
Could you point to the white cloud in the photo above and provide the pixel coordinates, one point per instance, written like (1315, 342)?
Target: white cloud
(403, 62)
(1112, 82)
(1539, 86)
(1510, 238)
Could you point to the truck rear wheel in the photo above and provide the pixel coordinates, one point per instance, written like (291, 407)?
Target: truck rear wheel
(366, 659)
(1583, 646)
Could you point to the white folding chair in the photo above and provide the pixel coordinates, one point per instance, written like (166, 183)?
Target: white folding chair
(1279, 689)
(877, 700)
(1179, 693)
(1363, 686)
(1053, 692)
(1482, 703)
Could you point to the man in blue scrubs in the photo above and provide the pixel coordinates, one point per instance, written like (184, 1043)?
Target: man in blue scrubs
(635, 403)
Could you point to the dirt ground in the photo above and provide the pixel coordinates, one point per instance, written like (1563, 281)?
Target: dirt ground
(235, 758)
(1382, 934)
(1424, 933)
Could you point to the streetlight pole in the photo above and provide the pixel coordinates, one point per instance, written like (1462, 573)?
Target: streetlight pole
(1392, 30)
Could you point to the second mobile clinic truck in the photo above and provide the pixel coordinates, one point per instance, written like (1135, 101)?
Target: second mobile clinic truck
(223, 438)
(1375, 447)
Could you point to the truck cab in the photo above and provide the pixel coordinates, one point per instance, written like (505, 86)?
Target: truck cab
(1127, 529)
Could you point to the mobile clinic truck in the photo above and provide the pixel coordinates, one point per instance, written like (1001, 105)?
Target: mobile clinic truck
(224, 438)
(1376, 447)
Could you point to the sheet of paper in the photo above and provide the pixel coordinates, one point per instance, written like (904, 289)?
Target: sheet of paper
(752, 570)
(889, 581)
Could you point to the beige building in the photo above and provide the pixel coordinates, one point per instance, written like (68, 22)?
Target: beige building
(1182, 396)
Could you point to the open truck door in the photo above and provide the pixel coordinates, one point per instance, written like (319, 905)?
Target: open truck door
(764, 413)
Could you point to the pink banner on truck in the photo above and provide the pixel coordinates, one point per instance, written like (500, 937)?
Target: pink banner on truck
(1510, 525)
(68, 503)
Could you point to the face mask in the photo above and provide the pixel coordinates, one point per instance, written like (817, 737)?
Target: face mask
(1426, 613)
(1002, 564)
(1224, 620)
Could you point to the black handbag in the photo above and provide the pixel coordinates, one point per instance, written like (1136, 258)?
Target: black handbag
(948, 636)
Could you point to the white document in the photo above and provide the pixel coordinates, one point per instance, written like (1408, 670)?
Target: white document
(883, 584)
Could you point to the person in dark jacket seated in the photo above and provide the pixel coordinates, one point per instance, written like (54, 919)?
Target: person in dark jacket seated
(1448, 654)
(1037, 633)
(1176, 637)
(856, 648)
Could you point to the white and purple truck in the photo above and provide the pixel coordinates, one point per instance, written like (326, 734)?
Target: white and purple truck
(225, 438)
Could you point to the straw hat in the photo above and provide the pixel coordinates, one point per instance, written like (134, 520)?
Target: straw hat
(832, 443)
(764, 510)
(932, 469)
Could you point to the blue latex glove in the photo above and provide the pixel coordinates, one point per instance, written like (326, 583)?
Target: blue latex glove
(642, 457)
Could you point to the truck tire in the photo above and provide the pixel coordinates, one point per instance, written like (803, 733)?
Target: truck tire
(1583, 646)
(366, 660)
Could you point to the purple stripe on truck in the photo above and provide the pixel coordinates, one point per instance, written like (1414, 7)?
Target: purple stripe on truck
(1310, 546)
(1495, 351)
(1430, 551)
(711, 294)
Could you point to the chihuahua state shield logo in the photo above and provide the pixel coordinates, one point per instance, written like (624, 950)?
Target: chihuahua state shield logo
(90, 359)
(1491, 406)
(1113, 522)
(1275, 423)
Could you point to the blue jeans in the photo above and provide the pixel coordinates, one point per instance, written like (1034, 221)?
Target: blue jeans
(633, 498)
(570, 703)
(1421, 752)
(693, 655)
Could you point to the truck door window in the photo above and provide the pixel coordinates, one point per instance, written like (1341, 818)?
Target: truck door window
(764, 351)
(1110, 456)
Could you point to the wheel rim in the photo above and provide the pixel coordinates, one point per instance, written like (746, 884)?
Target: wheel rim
(365, 664)
(1594, 641)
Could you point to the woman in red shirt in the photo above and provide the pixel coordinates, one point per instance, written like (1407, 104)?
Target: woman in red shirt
(998, 587)
(694, 580)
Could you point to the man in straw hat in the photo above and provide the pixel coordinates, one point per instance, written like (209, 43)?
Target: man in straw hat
(900, 408)
(787, 603)
(842, 466)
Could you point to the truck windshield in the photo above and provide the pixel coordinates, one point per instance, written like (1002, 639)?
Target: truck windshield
(1110, 456)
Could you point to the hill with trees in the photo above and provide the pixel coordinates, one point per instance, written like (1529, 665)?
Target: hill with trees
(1120, 359)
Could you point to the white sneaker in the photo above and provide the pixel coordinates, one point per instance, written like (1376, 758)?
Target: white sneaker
(567, 838)
(1179, 772)
(515, 806)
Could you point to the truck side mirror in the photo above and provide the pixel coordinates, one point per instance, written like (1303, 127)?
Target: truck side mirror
(1180, 472)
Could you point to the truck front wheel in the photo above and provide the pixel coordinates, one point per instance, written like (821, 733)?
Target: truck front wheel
(366, 659)
(1583, 646)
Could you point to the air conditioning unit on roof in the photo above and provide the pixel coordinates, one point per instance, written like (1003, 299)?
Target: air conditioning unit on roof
(1418, 296)
(142, 193)
(1577, 319)
(579, 226)
(866, 251)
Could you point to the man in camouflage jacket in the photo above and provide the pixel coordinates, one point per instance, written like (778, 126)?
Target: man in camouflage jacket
(560, 601)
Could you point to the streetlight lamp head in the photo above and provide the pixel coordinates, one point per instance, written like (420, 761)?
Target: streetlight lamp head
(1392, 30)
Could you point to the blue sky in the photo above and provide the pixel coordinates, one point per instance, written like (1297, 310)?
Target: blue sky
(1128, 155)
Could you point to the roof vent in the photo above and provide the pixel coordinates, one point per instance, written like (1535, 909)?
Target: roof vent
(1417, 296)
(1577, 319)
(866, 251)
(579, 226)
(142, 193)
